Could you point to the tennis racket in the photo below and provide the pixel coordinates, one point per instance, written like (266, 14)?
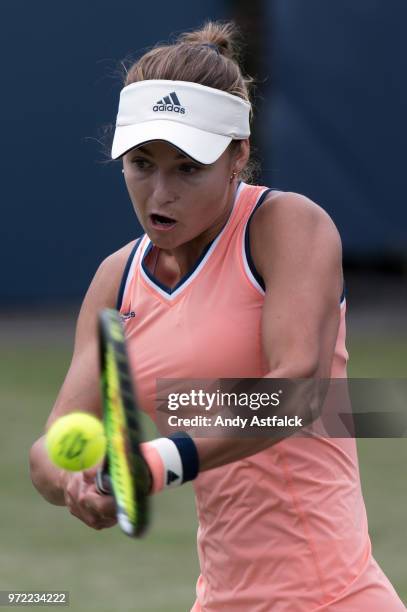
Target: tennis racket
(125, 474)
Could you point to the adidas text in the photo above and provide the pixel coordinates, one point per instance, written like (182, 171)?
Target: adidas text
(169, 107)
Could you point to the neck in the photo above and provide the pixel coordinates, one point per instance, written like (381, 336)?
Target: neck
(184, 257)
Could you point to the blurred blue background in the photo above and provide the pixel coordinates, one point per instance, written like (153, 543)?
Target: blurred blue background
(336, 121)
(331, 99)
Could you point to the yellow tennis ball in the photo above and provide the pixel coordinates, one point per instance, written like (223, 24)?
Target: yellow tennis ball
(76, 441)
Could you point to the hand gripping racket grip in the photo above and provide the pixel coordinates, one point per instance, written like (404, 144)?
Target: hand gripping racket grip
(102, 483)
(102, 480)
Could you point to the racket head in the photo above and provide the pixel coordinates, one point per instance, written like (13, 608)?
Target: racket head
(125, 470)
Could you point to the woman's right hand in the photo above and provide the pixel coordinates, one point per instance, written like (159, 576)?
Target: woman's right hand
(84, 502)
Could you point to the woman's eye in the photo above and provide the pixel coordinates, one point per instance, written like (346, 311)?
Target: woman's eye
(140, 163)
(188, 168)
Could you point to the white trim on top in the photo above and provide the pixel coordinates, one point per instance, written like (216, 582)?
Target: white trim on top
(246, 266)
(174, 294)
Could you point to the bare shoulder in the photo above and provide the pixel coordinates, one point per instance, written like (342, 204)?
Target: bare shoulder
(287, 217)
(288, 208)
(106, 281)
(116, 261)
(102, 292)
(290, 227)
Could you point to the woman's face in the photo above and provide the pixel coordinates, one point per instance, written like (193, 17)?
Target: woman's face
(177, 199)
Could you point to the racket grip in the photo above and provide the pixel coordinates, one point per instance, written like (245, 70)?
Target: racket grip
(102, 481)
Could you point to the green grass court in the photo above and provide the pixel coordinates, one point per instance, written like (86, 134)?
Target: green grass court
(43, 547)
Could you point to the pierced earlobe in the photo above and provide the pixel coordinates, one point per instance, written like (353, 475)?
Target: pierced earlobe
(233, 175)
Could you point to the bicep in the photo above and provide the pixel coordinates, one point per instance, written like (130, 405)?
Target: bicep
(299, 333)
(301, 264)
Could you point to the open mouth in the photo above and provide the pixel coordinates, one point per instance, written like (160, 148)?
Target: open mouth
(162, 221)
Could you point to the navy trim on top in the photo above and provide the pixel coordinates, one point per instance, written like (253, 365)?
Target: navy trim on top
(250, 261)
(171, 290)
(125, 273)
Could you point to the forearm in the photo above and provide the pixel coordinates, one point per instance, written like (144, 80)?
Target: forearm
(304, 390)
(45, 476)
(216, 452)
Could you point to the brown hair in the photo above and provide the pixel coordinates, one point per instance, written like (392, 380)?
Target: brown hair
(209, 56)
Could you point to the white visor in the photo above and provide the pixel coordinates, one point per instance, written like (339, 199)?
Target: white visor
(200, 121)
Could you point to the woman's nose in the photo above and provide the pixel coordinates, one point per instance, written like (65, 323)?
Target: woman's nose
(163, 191)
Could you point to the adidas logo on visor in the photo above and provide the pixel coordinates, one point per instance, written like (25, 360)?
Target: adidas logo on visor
(169, 103)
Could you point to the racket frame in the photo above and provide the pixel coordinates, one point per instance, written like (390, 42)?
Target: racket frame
(125, 474)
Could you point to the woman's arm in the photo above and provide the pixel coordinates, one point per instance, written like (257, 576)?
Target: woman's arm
(297, 250)
(80, 390)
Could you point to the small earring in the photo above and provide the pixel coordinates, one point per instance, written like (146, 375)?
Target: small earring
(233, 175)
(122, 170)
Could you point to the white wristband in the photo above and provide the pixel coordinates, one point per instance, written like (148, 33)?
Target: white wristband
(172, 461)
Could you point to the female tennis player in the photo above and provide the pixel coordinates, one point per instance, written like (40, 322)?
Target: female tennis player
(230, 280)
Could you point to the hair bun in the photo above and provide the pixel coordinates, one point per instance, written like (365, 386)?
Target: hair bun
(208, 56)
(221, 37)
(211, 46)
